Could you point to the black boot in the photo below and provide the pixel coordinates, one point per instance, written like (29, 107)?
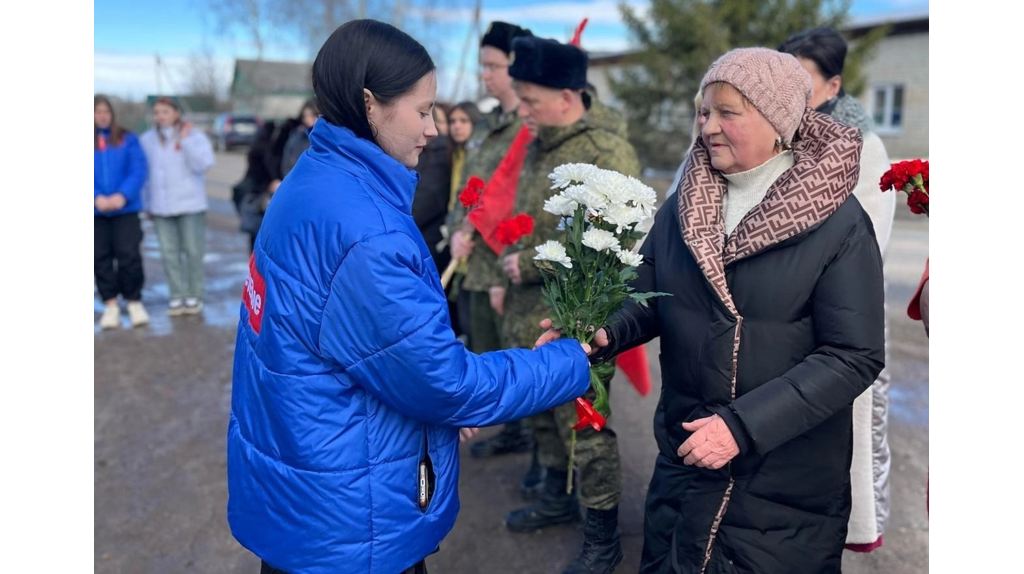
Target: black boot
(533, 483)
(602, 547)
(513, 438)
(554, 506)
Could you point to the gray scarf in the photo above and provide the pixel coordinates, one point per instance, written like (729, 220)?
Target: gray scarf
(847, 110)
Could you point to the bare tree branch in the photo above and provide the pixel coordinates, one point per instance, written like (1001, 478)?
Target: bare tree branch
(251, 16)
(203, 76)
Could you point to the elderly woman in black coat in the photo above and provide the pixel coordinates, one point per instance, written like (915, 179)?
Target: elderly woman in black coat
(773, 327)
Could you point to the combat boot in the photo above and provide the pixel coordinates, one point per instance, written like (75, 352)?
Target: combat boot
(513, 438)
(602, 546)
(553, 507)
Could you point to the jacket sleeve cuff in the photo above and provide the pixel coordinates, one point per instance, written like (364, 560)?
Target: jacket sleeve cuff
(739, 433)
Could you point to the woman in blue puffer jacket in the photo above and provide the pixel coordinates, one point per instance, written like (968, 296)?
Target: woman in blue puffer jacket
(349, 385)
(119, 171)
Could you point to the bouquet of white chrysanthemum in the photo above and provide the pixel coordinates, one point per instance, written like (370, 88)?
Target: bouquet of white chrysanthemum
(587, 275)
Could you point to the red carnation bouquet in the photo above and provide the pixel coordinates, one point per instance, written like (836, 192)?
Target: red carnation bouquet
(512, 230)
(470, 199)
(470, 196)
(910, 177)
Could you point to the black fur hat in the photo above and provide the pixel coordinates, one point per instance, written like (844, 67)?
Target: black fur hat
(548, 63)
(501, 34)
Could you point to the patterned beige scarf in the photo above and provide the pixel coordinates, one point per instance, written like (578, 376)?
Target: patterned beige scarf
(826, 169)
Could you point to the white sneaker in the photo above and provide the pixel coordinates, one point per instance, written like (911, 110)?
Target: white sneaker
(193, 306)
(137, 313)
(111, 318)
(175, 307)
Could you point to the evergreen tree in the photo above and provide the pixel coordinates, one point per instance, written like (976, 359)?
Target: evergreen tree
(679, 39)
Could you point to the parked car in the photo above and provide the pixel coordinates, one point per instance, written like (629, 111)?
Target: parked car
(232, 130)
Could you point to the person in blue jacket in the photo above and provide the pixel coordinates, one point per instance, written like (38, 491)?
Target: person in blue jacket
(119, 171)
(349, 387)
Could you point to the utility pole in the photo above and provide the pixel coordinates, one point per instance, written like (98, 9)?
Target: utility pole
(479, 36)
(473, 32)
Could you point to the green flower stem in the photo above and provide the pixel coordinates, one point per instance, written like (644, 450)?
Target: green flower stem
(601, 403)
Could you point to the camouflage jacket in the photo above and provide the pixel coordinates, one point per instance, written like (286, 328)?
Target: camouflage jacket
(599, 138)
(484, 152)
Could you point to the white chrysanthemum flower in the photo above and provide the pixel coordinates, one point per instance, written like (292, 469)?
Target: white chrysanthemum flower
(614, 186)
(631, 259)
(642, 195)
(555, 252)
(601, 240)
(566, 174)
(560, 205)
(623, 216)
(582, 195)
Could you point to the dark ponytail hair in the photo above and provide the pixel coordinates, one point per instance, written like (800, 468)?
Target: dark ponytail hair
(365, 54)
(116, 131)
(823, 45)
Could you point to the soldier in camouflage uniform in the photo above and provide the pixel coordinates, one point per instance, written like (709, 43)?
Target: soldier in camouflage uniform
(482, 279)
(569, 126)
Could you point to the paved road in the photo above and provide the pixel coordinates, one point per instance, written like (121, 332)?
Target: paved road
(162, 395)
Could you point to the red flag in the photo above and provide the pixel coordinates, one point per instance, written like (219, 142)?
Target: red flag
(634, 365)
(499, 195)
(579, 32)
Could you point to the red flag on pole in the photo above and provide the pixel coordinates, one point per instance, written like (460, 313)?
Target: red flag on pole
(579, 31)
(499, 195)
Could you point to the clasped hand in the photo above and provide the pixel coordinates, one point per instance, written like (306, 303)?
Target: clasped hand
(710, 446)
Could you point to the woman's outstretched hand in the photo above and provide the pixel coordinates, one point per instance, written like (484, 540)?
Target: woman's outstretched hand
(600, 340)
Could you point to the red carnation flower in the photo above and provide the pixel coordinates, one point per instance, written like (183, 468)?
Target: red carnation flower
(911, 178)
(512, 230)
(507, 232)
(525, 224)
(469, 197)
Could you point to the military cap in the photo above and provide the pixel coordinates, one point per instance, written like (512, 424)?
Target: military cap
(501, 34)
(548, 63)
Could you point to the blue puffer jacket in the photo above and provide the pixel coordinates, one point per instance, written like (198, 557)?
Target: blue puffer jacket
(347, 370)
(120, 169)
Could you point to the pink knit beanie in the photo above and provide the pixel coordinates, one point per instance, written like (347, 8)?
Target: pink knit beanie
(774, 82)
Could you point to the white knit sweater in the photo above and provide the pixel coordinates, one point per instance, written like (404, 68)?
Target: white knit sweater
(747, 188)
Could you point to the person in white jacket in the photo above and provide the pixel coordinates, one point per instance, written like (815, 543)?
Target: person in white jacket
(175, 198)
(822, 52)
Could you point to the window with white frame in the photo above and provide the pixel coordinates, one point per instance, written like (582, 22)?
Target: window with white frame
(887, 108)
